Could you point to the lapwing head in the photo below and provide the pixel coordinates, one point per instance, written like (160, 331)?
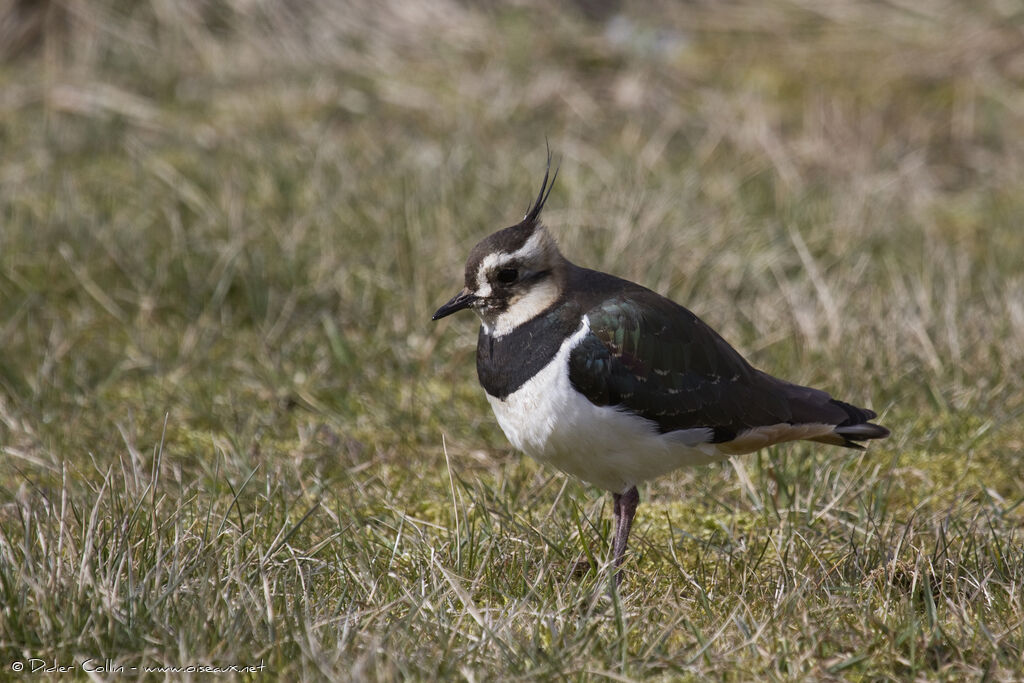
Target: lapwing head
(514, 274)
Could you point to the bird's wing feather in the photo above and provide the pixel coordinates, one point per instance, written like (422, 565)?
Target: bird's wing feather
(658, 360)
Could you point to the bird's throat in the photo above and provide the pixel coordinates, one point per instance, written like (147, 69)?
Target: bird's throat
(521, 308)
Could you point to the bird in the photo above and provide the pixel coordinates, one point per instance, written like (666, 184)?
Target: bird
(614, 384)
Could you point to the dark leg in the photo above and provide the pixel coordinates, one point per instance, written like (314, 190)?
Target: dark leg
(625, 509)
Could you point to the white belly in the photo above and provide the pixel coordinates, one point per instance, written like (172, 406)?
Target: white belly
(614, 450)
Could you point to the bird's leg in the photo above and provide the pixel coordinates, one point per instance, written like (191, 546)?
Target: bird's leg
(625, 509)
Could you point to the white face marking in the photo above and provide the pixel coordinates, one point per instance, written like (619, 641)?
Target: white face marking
(526, 306)
(523, 306)
(491, 262)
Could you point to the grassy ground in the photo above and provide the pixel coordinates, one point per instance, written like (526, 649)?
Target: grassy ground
(230, 434)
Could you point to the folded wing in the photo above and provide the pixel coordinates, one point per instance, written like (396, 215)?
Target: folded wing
(658, 360)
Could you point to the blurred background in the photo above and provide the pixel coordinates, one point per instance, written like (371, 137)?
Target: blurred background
(224, 226)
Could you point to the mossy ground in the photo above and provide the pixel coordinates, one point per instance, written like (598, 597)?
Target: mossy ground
(231, 435)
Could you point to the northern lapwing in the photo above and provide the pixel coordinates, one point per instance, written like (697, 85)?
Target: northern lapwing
(613, 383)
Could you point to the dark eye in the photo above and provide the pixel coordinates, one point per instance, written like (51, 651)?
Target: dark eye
(507, 276)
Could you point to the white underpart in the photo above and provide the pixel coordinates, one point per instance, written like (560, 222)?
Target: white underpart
(548, 419)
(759, 437)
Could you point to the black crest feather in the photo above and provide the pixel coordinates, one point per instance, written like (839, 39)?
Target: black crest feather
(545, 190)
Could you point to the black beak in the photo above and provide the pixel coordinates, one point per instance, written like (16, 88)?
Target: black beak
(463, 299)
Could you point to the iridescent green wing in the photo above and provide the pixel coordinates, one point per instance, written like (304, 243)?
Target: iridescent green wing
(658, 360)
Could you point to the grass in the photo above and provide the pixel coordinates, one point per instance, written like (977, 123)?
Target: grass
(230, 434)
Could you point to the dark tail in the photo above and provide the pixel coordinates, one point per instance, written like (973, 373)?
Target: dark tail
(852, 424)
(856, 427)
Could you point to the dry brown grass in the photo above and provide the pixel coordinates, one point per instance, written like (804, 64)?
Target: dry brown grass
(224, 411)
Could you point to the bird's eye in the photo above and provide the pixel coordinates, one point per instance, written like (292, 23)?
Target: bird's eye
(507, 276)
